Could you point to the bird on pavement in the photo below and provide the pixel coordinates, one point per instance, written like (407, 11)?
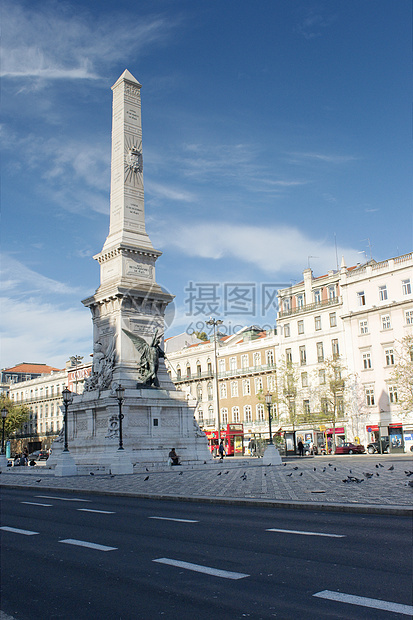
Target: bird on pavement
(91, 473)
(409, 473)
(295, 468)
(147, 478)
(219, 473)
(367, 475)
(315, 468)
(391, 468)
(146, 469)
(301, 474)
(290, 474)
(39, 480)
(180, 473)
(380, 465)
(377, 473)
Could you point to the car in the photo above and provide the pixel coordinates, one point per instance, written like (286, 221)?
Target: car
(350, 448)
(39, 455)
(373, 447)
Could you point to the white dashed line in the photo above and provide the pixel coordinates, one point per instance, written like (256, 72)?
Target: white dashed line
(306, 533)
(363, 601)
(83, 543)
(172, 519)
(216, 572)
(15, 530)
(64, 499)
(103, 512)
(36, 504)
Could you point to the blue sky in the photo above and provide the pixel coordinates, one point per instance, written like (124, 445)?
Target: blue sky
(272, 131)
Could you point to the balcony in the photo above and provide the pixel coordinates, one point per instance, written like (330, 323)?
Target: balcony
(250, 370)
(311, 307)
(195, 377)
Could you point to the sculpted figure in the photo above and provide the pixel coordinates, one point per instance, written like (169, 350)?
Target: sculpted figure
(149, 357)
(103, 365)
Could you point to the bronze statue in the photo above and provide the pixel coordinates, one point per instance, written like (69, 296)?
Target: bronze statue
(149, 357)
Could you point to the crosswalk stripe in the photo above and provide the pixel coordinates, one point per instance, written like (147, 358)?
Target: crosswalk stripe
(173, 519)
(216, 572)
(273, 529)
(35, 504)
(16, 530)
(364, 601)
(84, 543)
(103, 512)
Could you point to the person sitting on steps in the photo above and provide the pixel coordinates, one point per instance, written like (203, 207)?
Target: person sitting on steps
(174, 457)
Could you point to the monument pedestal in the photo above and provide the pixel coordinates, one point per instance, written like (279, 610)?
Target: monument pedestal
(3, 462)
(65, 465)
(121, 463)
(271, 456)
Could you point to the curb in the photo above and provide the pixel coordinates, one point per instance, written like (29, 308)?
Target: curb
(401, 511)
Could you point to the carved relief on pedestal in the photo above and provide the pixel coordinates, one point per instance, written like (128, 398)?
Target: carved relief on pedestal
(104, 359)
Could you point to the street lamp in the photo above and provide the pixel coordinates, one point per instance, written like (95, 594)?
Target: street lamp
(4, 414)
(67, 400)
(268, 400)
(214, 323)
(120, 392)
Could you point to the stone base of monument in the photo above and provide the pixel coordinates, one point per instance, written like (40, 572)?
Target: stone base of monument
(3, 462)
(65, 465)
(271, 456)
(121, 463)
(155, 420)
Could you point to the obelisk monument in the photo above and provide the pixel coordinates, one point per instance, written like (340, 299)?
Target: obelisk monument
(128, 311)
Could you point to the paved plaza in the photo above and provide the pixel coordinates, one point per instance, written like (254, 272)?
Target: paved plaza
(308, 482)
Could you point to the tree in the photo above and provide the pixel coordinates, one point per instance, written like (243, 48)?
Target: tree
(332, 392)
(403, 374)
(201, 336)
(287, 382)
(16, 417)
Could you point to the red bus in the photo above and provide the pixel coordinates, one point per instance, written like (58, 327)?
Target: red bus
(233, 436)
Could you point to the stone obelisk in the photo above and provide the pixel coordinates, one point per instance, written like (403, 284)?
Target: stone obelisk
(128, 311)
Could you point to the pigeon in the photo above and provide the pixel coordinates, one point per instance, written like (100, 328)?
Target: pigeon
(367, 475)
(391, 468)
(409, 473)
(204, 462)
(315, 468)
(380, 465)
(346, 480)
(180, 473)
(330, 465)
(147, 478)
(244, 477)
(146, 469)
(269, 465)
(91, 473)
(324, 469)
(358, 480)
(112, 475)
(284, 464)
(290, 474)
(410, 483)
(39, 480)
(226, 472)
(377, 474)
(218, 474)
(377, 466)
(295, 468)
(301, 474)
(335, 468)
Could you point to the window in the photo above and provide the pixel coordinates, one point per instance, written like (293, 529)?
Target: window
(200, 416)
(369, 394)
(333, 319)
(300, 326)
(210, 391)
(258, 385)
(246, 388)
(224, 416)
(306, 407)
(232, 363)
(234, 388)
(260, 412)
(271, 383)
(244, 360)
(188, 372)
(317, 296)
(324, 406)
(199, 392)
(389, 355)
(317, 323)
(393, 394)
(334, 347)
(303, 356)
(256, 359)
(406, 287)
(209, 367)
(287, 304)
(269, 356)
(247, 413)
(287, 332)
(332, 291)
(366, 361)
(320, 352)
(211, 414)
(223, 390)
(304, 379)
(383, 293)
(288, 356)
(364, 326)
(322, 376)
(409, 317)
(300, 301)
(221, 366)
(385, 321)
(361, 298)
(235, 414)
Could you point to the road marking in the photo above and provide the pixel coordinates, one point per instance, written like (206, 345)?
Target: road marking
(104, 512)
(307, 533)
(216, 572)
(374, 603)
(171, 519)
(17, 531)
(83, 543)
(65, 499)
(35, 504)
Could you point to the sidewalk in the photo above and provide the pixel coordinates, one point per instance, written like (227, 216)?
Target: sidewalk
(312, 483)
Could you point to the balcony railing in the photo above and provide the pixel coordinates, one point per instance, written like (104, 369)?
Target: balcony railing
(250, 370)
(310, 307)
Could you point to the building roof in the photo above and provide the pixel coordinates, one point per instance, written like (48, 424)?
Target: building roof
(29, 368)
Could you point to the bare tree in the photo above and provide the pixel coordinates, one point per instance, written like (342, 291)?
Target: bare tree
(403, 374)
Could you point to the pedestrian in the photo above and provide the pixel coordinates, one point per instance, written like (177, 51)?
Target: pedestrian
(300, 446)
(221, 450)
(174, 457)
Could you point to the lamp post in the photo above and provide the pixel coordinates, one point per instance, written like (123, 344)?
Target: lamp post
(4, 414)
(268, 400)
(67, 400)
(214, 323)
(120, 392)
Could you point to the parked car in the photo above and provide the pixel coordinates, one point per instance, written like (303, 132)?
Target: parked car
(39, 455)
(350, 448)
(373, 448)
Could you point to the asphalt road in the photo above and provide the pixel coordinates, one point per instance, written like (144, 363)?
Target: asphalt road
(187, 560)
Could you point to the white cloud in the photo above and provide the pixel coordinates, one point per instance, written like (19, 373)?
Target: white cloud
(327, 158)
(273, 249)
(54, 40)
(163, 191)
